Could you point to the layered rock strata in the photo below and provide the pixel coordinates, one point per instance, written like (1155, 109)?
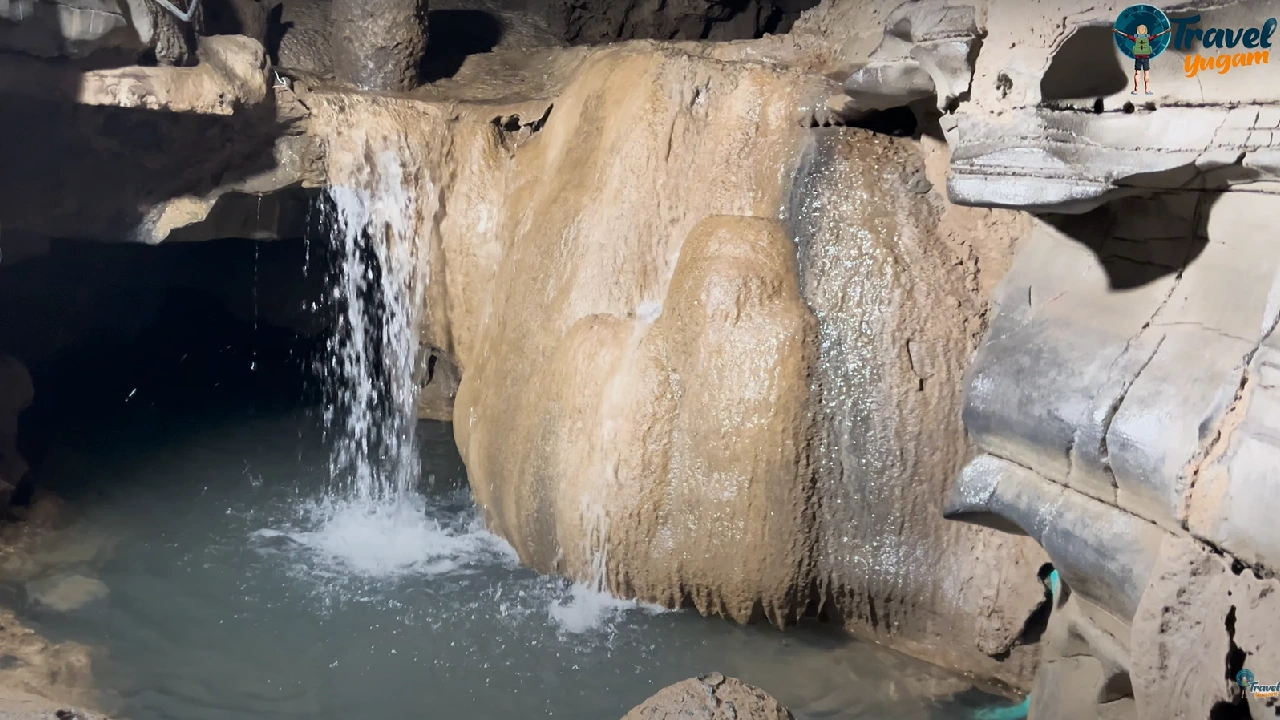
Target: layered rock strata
(1120, 397)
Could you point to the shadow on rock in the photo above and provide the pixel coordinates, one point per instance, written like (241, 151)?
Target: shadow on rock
(455, 35)
(1138, 241)
(74, 170)
(1084, 67)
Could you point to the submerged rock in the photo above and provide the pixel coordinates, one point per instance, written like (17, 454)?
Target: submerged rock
(64, 593)
(710, 697)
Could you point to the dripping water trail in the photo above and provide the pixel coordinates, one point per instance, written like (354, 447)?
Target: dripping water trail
(253, 346)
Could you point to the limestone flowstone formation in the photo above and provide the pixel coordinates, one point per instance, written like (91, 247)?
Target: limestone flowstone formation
(654, 390)
(704, 343)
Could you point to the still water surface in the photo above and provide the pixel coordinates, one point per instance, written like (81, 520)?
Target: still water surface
(237, 592)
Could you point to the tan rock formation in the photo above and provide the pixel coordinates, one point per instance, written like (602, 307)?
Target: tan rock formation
(646, 391)
(37, 669)
(705, 352)
(710, 697)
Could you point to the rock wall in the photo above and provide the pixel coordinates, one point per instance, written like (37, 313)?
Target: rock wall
(1120, 395)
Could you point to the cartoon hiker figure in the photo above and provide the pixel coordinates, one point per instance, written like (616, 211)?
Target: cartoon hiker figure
(1142, 52)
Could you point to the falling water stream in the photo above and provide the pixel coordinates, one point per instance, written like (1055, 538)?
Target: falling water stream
(326, 563)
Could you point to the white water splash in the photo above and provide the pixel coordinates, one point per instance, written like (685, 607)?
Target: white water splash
(392, 540)
(589, 605)
(373, 521)
(587, 608)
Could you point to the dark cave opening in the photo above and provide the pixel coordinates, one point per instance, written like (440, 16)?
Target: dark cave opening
(119, 335)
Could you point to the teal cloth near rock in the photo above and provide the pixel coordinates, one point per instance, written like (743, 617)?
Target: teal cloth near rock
(1019, 711)
(1016, 712)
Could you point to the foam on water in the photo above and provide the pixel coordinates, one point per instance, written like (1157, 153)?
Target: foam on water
(389, 540)
(585, 609)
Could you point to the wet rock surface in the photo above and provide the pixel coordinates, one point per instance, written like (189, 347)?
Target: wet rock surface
(104, 139)
(690, 338)
(710, 697)
(65, 592)
(33, 669)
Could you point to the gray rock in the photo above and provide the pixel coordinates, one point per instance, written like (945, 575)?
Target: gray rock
(1231, 503)
(927, 51)
(1122, 395)
(1103, 553)
(1064, 161)
(885, 84)
(378, 44)
(65, 593)
(77, 29)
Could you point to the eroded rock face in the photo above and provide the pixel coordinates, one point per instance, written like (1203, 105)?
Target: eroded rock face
(1197, 600)
(98, 145)
(710, 697)
(35, 669)
(1122, 397)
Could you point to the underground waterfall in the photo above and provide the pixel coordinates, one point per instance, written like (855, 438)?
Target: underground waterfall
(261, 527)
(640, 359)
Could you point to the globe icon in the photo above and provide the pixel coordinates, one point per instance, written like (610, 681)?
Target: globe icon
(1245, 678)
(1155, 21)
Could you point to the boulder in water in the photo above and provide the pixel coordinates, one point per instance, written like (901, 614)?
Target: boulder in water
(710, 697)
